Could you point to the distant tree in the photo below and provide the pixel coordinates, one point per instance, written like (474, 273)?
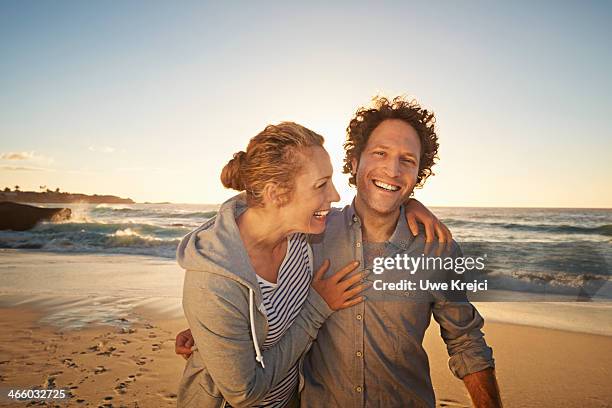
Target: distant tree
(42, 188)
(7, 189)
(48, 190)
(16, 188)
(57, 190)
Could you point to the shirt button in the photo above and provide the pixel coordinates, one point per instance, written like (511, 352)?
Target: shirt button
(358, 388)
(358, 244)
(359, 317)
(359, 354)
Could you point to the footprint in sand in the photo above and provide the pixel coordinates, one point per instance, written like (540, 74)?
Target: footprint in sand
(50, 382)
(68, 362)
(51, 348)
(95, 348)
(121, 388)
(168, 396)
(100, 370)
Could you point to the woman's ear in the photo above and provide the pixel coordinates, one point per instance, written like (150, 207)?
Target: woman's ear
(274, 195)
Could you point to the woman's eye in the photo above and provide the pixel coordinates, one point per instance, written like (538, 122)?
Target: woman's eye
(322, 185)
(379, 153)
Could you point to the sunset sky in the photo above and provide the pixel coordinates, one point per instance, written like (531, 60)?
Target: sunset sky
(149, 100)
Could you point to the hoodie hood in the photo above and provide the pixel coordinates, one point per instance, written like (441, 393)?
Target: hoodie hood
(216, 247)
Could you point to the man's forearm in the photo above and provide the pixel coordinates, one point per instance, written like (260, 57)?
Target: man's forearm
(483, 389)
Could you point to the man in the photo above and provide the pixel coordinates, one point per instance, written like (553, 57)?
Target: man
(371, 355)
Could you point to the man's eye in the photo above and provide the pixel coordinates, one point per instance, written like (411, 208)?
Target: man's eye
(379, 153)
(408, 161)
(322, 185)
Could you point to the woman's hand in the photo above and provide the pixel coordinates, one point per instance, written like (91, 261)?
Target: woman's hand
(338, 292)
(415, 211)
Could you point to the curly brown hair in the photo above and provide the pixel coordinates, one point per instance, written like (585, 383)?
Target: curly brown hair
(366, 119)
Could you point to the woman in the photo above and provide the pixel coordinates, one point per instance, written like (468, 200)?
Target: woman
(247, 294)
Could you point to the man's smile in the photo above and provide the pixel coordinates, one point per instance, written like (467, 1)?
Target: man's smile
(385, 186)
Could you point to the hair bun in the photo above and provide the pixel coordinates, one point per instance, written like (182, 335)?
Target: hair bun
(231, 175)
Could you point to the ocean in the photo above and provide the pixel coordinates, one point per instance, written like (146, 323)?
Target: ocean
(566, 251)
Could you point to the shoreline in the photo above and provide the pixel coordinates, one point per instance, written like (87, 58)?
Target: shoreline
(84, 288)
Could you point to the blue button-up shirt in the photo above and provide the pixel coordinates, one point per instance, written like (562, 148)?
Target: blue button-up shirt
(371, 354)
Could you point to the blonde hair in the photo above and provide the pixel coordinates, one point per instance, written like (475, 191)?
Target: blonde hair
(273, 156)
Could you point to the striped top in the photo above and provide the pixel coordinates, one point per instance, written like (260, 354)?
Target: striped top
(283, 301)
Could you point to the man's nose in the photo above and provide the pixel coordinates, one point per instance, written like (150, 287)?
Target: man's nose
(392, 167)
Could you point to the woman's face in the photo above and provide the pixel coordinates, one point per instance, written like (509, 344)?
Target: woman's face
(313, 194)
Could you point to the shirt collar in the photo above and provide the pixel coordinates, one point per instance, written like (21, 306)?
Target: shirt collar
(352, 214)
(401, 238)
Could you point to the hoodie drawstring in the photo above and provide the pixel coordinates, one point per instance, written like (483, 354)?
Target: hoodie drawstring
(258, 355)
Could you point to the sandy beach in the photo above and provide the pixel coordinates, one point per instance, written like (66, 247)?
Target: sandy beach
(111, 342)
(101, 366)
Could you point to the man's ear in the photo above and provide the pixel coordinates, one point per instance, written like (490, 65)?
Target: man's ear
(354, 164)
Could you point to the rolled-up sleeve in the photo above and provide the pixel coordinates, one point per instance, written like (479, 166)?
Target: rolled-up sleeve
(460, 327)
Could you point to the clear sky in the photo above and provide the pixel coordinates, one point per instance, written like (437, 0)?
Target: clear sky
(150, 99)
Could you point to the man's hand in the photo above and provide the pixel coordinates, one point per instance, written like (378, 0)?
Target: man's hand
(415, 211)
(184, 342)
(483, 389)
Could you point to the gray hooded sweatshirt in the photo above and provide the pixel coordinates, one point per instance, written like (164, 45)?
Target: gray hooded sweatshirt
(224, 307)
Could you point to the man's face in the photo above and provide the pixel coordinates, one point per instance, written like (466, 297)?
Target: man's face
(388, 167)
